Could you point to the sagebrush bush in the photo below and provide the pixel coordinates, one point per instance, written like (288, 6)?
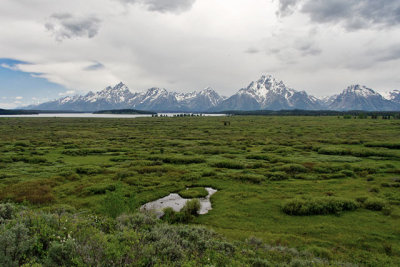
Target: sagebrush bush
(7, 210)
(192, 207)
(277, 176)
(228, 165)
(185, 215)
(318, 206)
(114, 204)
(374, 204)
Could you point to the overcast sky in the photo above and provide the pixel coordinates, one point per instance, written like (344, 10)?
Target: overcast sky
(50, 48)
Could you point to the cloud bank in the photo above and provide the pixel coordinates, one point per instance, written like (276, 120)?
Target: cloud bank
(67, 26)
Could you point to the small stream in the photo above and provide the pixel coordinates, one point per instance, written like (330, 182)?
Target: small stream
(176, 202)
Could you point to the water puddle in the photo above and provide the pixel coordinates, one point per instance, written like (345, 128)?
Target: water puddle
(177, 202)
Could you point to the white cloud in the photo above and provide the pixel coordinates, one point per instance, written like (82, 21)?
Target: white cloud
(69, 92)
(188, 45)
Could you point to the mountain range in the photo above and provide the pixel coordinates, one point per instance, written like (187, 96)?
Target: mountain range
(267, 93)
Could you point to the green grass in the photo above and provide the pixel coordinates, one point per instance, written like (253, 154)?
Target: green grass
(256, 163)
(193, 192)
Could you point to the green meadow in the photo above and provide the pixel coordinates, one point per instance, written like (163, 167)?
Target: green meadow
(296, 191)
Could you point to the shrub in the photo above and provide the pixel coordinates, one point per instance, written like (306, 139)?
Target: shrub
(14, 244)
(185, 215)
(22, 144)
(248, 177)
(100, 189)
(292, 168)
(114, 204)
(374, 190)
(192, 207)
(36, 192)
(7, 210)
(318, 206)
(62, 254)
(361, 199)
(383, 144)
(277, 176)
(228, 165)
(89, 170)
(374, 204)
(194, 192)
(179, 160)
(152, 169)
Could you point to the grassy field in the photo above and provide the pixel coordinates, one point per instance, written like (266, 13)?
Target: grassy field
(327, 185)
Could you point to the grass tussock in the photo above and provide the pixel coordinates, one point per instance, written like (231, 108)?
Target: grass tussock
(318, 206)
(34, 192)
(193, 192)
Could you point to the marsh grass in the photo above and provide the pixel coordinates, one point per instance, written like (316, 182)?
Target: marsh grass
(257, 164)
(193, 192)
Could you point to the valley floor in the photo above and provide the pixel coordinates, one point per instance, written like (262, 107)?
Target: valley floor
(326, 185)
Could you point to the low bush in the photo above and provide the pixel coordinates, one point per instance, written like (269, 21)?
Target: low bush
(383, 144)
(193, 192)
(248, 177)
(152, 169)
(179, 160)
(277, 176)
(100, 189)
(374, 204)
(7, 210)
(185, 215)
(292, 168)
(114, 204)
(89, 170)
(35, 192)
(228, 165)
(318, 206)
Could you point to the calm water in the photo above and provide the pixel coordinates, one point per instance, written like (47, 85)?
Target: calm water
(91, 115)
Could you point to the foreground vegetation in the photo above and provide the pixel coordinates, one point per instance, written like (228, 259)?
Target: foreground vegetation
(325, 186)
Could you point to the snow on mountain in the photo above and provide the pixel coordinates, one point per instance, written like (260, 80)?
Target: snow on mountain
(120, 97)
(357, 97)
(269, 93)
(394, 96)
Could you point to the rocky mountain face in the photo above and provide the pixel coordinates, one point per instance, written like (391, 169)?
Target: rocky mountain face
(357, 97)
(394, 96)
(271, 94)
(120, 97)
(267, 93)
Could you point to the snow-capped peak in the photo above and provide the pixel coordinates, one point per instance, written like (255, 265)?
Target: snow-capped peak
(265, 87)
(393, 96)
(360, 91)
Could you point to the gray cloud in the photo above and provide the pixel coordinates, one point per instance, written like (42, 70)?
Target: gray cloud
(392, 53)
(164, 6)
(252, 50)
(352, 14)
(94, 66)
(309, 49)
(286, 7)
(66, 26)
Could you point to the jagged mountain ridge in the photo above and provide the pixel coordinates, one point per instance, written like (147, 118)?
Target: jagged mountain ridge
(269, 93)
(357, 97)
(120, 97)
(394, 96)
(266, 93)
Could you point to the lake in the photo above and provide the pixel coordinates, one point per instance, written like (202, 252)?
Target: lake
(91, 115)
